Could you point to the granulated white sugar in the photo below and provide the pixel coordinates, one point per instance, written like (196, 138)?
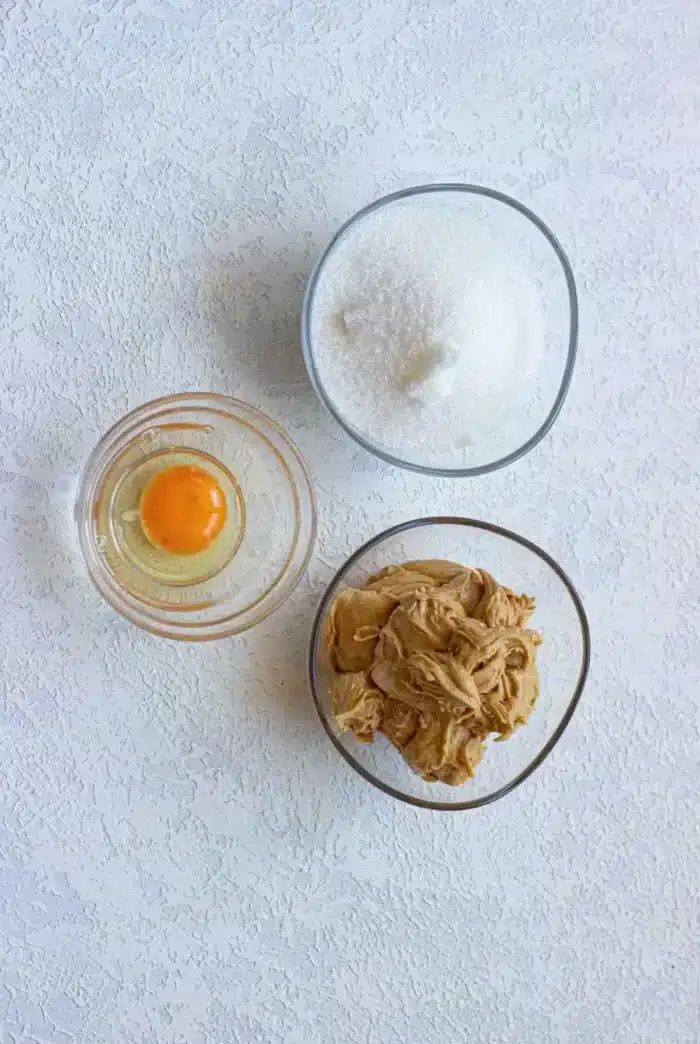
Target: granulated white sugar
(424, 328)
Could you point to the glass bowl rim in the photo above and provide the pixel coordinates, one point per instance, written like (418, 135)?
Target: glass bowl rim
(306, 341)
(107, 447)
(468, 523)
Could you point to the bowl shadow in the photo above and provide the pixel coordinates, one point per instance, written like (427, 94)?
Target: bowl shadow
(252, 313)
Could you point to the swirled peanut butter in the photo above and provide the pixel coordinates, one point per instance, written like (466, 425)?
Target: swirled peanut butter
(437, 657)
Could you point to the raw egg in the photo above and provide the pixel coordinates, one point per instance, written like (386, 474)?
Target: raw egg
(182, 509)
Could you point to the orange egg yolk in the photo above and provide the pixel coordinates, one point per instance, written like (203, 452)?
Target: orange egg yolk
(182, 509)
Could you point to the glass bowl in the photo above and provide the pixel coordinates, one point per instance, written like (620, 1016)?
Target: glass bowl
(271, 516)
(513, 233)
(563, 657)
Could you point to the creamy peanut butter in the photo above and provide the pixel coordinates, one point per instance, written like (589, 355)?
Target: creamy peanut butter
(437, 657)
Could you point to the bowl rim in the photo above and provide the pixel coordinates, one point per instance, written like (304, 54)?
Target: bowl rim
(107, 446)
(307, 307)
(469, 523)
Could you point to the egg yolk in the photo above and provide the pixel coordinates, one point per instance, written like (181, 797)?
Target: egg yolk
(182, 509)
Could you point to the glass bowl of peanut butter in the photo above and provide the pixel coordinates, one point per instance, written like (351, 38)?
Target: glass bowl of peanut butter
(447, 657)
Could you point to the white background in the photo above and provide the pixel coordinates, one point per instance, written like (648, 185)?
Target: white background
(184, 859)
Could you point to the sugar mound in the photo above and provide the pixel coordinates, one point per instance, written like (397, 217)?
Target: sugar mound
(424, 328)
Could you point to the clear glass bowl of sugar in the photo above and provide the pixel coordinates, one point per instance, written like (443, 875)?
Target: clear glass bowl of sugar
(562, 658)
(144, 486)
(439, 329)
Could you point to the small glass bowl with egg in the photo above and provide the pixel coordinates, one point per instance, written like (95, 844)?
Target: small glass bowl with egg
(196, 516)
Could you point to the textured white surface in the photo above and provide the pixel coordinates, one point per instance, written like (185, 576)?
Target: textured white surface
(183, 857)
